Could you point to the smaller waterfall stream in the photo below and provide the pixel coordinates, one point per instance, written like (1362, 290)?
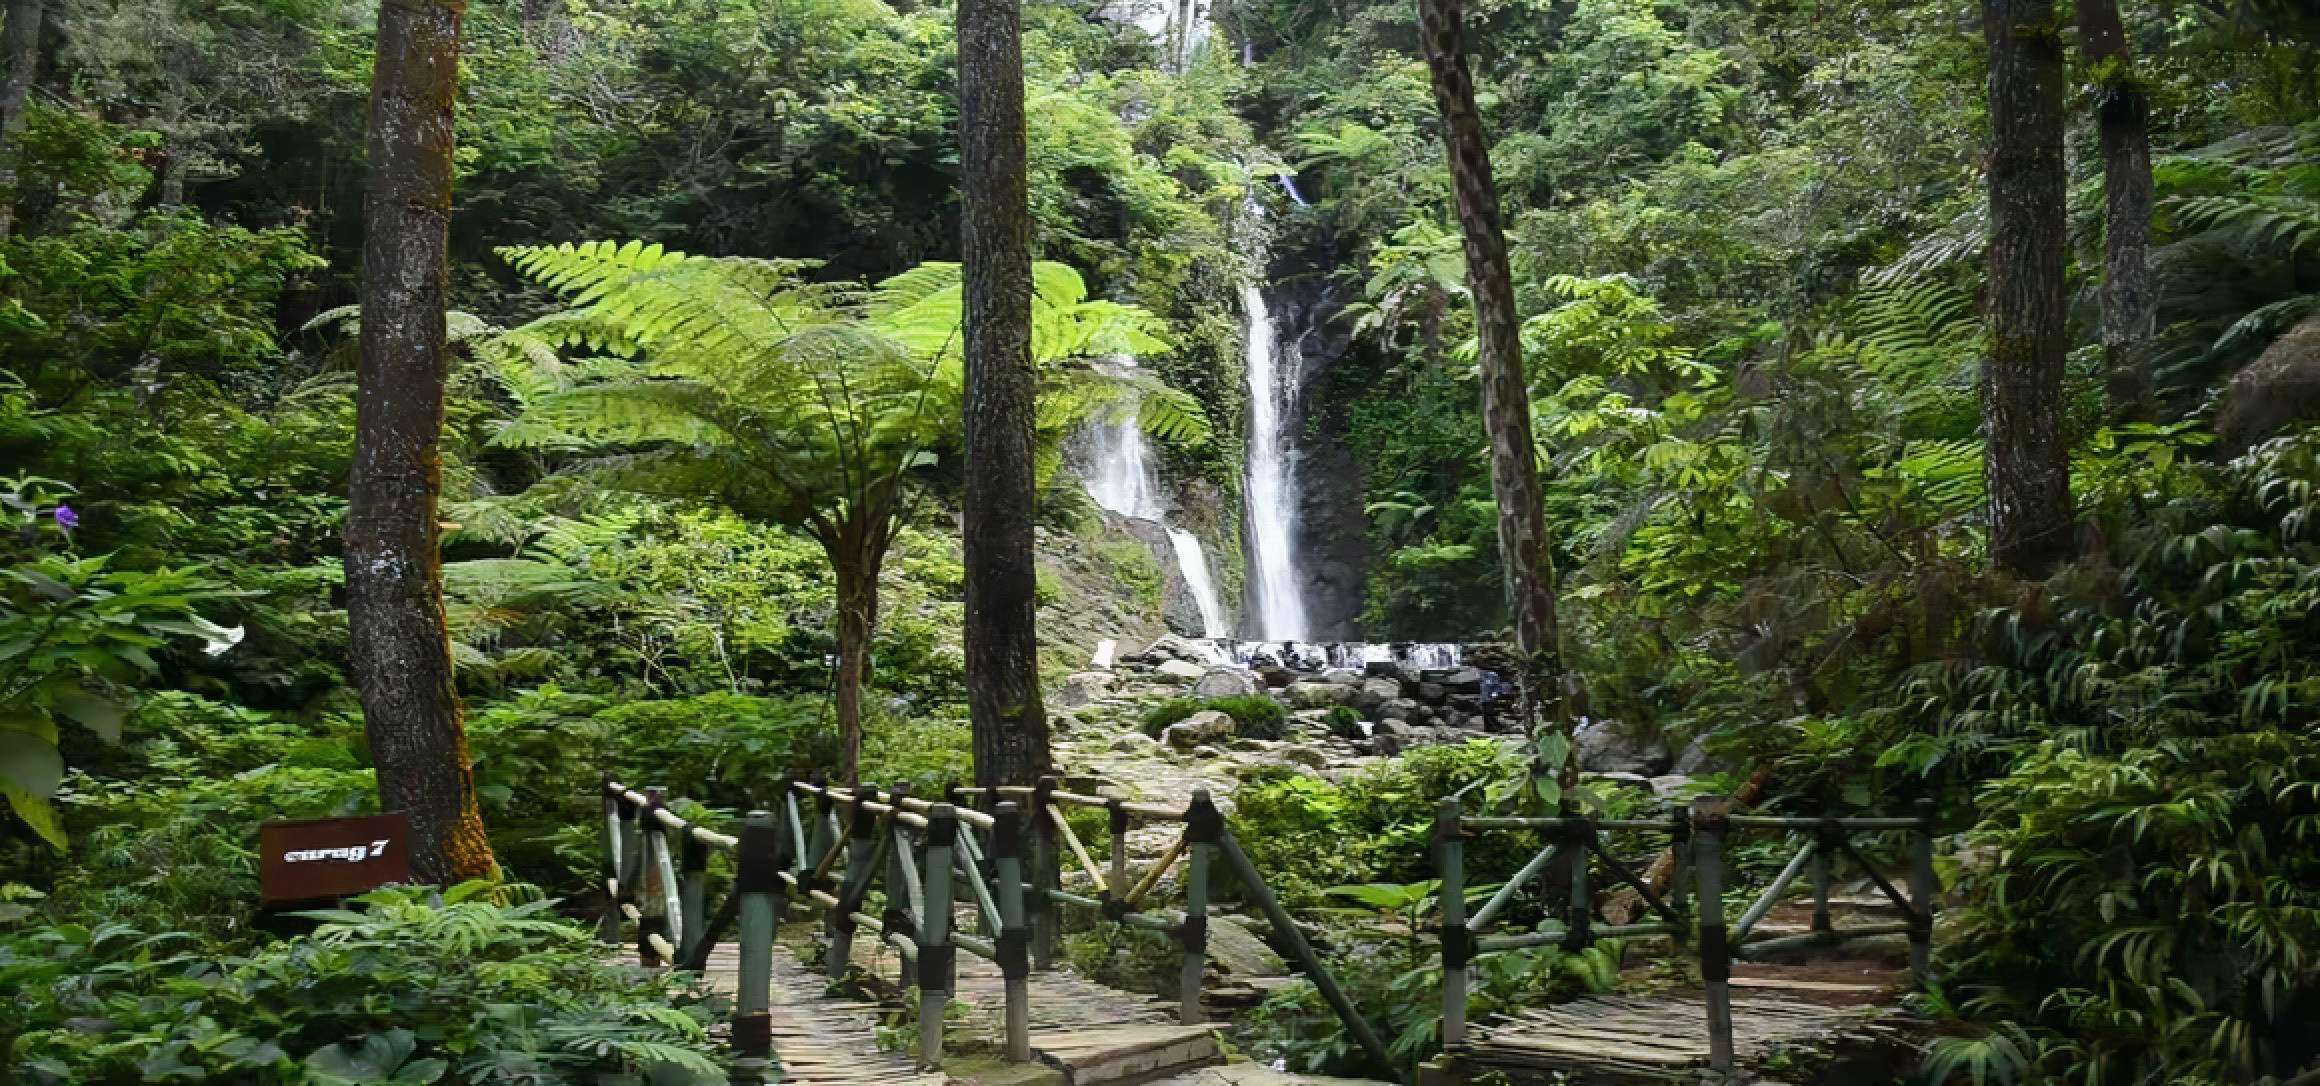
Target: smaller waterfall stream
(1118, 475)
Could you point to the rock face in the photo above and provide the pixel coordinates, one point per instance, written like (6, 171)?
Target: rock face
(2280, 387)
(1182, 669)
(1082, 688)
(1696, 760)
(1198, 729)
(1220, 683)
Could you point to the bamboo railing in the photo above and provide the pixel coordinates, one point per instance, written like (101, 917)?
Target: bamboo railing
(1575, 845)
(828, 848)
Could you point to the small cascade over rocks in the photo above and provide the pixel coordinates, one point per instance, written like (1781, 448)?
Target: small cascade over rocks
(1116, 467)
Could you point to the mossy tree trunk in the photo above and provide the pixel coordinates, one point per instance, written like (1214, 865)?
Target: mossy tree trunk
(2123, 127)
(1506, 406)
(1010, 725)
(401, 646)
(20, 51)
(2025, 461)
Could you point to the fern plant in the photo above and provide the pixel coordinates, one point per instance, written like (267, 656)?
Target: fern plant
(792, 402)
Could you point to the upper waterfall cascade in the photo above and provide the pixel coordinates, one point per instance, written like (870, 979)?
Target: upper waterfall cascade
(1271, 485)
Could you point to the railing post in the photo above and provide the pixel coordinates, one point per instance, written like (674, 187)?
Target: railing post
(1923, 890)
(1709, 825)
(692, 894)
(653, 903)
(757, 880)
(1047, 874)
(861, 845)
(1117, 871)
(1014, 942)
(1827, 842)
(936, 955)
(1680, 876)
(897, 915)
(1203, 828)
(1457, 940)
(608, 928)
(1579, 913)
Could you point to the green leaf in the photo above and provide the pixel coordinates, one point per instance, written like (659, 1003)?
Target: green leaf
(36, 813)
(30, 763)
(93, 711)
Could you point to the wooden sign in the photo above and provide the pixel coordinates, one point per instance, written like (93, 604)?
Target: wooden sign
(332, 857)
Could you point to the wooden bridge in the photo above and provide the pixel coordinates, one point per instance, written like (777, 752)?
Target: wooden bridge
(899, 885)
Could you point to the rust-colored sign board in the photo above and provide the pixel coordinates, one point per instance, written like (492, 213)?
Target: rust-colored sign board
(332, 857)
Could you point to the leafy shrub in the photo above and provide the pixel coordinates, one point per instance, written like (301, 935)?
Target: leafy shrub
(1397, 986)
(1159, 717)
(1255, 716)
(1343, 721)
(401, 990)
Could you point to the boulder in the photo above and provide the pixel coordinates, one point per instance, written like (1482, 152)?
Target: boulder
(1276, 677)
(1305, 756)
(1082, 688)
(1463, 681)
(1063, 723)
(1206, 750)
(1602, 749)
(1172, 647)
(1695, 760)
(1202, 727)
(1221, 683)
(1398, 709)
(1135, 743)
(1396, 728)
(1318, 695)
(1432, 693)
(1182, 669)
(1375, 692)
(1343, 675)
(2280, 387)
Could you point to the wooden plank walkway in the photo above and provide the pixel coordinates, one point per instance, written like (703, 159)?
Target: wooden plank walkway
(1094, 1035)
(819, 1040)
(1660, 1038)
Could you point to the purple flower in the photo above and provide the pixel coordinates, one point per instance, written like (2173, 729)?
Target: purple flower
(66, 518)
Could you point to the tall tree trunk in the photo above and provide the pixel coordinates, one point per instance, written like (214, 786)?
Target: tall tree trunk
(2123, 122)
(394, 577)
(1506, 402)
(1010, 725)
(2025, 461)
(857, 620)
(20, 50)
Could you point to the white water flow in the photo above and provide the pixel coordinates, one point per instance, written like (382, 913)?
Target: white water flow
(1119, 476)
(1272, 486)
(1289, 185)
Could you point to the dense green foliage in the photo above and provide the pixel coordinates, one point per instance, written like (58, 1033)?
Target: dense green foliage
(1747, 243)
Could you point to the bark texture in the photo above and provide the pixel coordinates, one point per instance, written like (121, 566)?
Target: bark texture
(401, 646)
(2123, 124)
(1010, 724)
(2025, 461)
(20, 49)
(1506, 405)
(857, 620)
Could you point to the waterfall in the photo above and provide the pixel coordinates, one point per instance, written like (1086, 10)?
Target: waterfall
(1289, 185)
(1279, 614)
(1118, 474)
